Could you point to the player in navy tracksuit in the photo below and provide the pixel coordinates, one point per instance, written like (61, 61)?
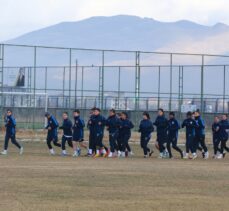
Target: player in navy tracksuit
(113, 124)
(125, 134)
(10, 125)
(200, 135)
(67, 133)
(119, 141)
(78, 133)
(92, 144)
(162, 131)
(146, 128)
(52, 136)
(190, 124)
(97, 123)
(224, 127)
(216, 135)
(173, 127)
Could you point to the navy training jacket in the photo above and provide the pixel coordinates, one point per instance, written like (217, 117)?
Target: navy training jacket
(113, 123)
(162, 125)
(224, 126)
(200, 130)
(125, 127)
(10, 124)
(216, 130)
(52, 122)
(96, 124)
(146, 127)
(78, 124)
(190, 125)
(173, 127)
(67, 127)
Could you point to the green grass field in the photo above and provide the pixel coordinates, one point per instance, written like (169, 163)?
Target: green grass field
(38, 181)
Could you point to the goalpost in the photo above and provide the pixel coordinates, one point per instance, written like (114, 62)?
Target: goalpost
(24, 100)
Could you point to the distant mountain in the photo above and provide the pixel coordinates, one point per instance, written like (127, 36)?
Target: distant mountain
(124, 33)
(119, 32)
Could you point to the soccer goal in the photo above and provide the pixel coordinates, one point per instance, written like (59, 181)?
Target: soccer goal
(27, 106)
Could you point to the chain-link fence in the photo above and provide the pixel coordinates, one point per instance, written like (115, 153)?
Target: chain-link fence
(36, 78)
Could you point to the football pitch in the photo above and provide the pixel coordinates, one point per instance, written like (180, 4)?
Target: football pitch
(38, 181)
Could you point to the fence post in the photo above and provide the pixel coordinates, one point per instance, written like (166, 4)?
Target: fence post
(76, 82)
(159, 87)
(2, 77)
(224, 87)
(119, 85)
(70, 75)
(46, 77)
(82, 86)
(202, 86)
(171, 82)
(180, 95)
(101, 82)
(137, 80)
(102, 88)
(34, 84)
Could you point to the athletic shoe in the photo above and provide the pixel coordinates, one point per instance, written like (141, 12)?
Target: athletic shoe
(110, 155)
(63, 154)
(131, 153)
(79, 151)
(194, 156)
(150, 153)
(96, 155)
(220, 156)
(119, 153)
(206, 155)
(21, 150)
(123, 154)
(106, 154)
(214, 156)
(185, 155)
(75, 154)
(4, 152)
(161, 155)
(165, 154)
(114, 154)
(52, 152)
(146, 156)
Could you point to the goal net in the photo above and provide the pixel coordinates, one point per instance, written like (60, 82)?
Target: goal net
(27, 107)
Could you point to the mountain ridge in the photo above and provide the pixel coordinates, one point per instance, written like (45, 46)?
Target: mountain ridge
(119, 32)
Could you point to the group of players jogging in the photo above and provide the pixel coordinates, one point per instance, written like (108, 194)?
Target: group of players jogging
(119, 127)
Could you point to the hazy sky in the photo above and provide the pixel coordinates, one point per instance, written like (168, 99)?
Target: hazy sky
(20, 16)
